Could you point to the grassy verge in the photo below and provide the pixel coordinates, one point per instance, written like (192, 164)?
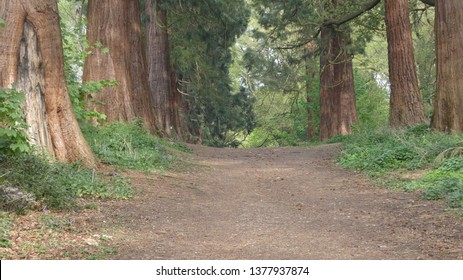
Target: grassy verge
(129, 146)
(58, 186)
(391, 156)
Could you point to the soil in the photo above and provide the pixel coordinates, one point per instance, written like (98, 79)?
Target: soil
(275, 203)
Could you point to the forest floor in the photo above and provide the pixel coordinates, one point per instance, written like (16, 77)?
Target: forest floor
(276, 203)
(269, 203)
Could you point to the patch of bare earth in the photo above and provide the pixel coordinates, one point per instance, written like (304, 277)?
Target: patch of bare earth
(276, 203)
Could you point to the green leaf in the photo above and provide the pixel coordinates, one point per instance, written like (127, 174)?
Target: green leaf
(2, 23)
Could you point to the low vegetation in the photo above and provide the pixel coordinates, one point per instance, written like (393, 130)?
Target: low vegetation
(389, 155)
(31, 180)
(55, 185)
(130, 146)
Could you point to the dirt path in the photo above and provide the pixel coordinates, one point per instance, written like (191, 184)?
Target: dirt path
(284, 203)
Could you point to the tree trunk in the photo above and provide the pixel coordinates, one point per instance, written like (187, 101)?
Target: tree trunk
(116, 25)
(406, 103)
(310, 73)
(177, 107)
(337, 95)
(162, 78)
(31, 59)
(448, 102)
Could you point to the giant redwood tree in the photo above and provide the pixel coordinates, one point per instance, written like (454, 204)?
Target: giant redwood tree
(448, 102)
(31, 60)
(337, 94)
(115, 26)
(162, 78)
(406, 102)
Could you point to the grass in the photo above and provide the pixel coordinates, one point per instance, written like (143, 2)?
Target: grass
(5, 225)
(58, 185)
(387, 154)
(130, 146)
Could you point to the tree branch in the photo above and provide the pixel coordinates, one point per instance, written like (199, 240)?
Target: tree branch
(429, 2)
(366, 7)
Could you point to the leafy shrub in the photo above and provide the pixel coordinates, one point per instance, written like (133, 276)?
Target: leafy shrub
(450, 188)
(58, 185)
(382, 151)
(387, 150)
(13, 137)
(127, 146)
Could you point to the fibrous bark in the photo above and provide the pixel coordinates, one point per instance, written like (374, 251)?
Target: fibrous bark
(337, 94)
(448, 102)
(115, 25)
(162, 78)
(31, 59)
(406, 103)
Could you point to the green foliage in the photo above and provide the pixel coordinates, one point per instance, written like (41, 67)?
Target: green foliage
(81, 95)
(386, 150)
(58, 185)
(382, 151)
(13, 137)
(371, 97)
(128, 146)
(76, 49)
(5, 225)
(453, 152)
(442, 184)
(2, 23)
(201, 36)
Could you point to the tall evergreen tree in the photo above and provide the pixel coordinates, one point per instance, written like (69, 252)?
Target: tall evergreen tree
(202, 33)
(294, 24)
(448, 102)
(31, 57)
(165, 96)
(406, 103)
(114, 30)
(338, 110)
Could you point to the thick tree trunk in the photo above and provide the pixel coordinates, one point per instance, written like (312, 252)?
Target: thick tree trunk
(337, 95)
(116, 25)
(406, 103)
(448, 102)
(165, 95)
(31, 58)
(157, 55)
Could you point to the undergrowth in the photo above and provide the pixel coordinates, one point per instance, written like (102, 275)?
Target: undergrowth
(130, 146)
(386, 154)
(5, 224)
(58, 185)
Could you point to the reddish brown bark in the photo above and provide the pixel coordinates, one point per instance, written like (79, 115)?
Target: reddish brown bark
(337, 95)
(406, 103)
(448, 102)
(31, 57)
(162, 78)
(116, 25)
